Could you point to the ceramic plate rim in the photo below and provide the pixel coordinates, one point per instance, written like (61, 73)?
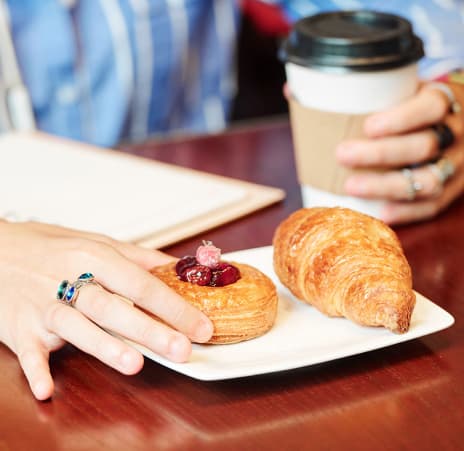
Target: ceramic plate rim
(199, 367)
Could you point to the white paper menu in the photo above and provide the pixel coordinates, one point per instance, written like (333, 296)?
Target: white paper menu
(63, 182)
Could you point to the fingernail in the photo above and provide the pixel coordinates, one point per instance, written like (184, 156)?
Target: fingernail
(129, 360)
(179, 349)
(203, 331)
(42, 390)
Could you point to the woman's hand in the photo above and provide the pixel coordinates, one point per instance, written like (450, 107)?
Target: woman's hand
(35, 258)
(402, 137)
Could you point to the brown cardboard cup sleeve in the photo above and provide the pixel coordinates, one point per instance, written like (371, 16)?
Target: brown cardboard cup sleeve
(316, 135)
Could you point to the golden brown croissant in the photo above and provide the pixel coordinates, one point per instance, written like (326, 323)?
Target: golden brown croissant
(240, 311)
(346, 264)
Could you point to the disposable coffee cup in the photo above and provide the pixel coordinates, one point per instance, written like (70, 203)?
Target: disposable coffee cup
(341, 66)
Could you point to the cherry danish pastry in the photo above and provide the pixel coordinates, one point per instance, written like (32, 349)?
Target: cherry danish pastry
(239, 299)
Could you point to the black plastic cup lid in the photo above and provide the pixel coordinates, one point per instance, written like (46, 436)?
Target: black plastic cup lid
(352, 40)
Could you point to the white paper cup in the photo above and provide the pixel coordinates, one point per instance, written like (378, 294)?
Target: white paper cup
(341, 67)
(351, 92)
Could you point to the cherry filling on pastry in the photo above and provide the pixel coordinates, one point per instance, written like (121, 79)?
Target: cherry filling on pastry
(239, 299)
(206, 268)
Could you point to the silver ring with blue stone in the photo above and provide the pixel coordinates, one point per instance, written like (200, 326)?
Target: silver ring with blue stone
(68, 292)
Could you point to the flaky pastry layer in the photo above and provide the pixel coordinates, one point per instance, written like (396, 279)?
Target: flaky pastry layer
(346, 264)
(240, 311)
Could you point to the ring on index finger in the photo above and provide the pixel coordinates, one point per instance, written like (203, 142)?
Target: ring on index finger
(67, 292)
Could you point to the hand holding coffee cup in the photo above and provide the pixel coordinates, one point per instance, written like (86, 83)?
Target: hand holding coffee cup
(420, 146)
(362, 121)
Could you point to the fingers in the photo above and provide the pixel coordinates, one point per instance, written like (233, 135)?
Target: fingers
(76, 329)
(397, 213)
(33, 358)
(434, 191)
(428, 107)
(402, 213)
(53, 254)
(389, 153)
(393, 185)
(111, 313)
(394, 151)
(146, 258)
(127, 279)
(402, 137)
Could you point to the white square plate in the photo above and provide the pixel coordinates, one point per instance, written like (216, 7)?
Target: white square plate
(301, 336)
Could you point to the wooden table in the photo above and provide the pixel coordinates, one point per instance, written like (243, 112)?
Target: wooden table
(409, 396)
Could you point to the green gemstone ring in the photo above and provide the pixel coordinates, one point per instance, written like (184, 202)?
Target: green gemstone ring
(62, 288)
(68, 292)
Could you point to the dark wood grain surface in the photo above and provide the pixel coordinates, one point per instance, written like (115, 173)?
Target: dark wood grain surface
(405, 397)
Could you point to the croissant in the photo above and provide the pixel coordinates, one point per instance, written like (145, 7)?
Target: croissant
(345, 264)
(240, 311)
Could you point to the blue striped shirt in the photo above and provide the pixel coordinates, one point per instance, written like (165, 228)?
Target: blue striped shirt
(103, 71)
(106, 70)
